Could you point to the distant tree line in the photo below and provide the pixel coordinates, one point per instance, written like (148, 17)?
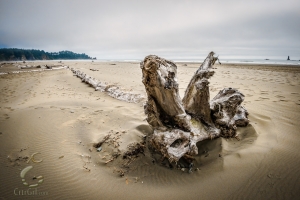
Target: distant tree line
(13, 54)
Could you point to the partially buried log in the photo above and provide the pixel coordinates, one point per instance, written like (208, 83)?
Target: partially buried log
(179, 124)
(112, 90)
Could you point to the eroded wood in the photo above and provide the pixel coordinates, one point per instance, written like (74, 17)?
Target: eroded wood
(179, 124)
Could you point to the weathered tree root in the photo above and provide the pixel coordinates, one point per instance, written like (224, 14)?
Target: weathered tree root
(179, 125)
(164, 106)
(227, 111)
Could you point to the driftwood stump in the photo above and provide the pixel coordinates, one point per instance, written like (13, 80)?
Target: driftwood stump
(179, 124)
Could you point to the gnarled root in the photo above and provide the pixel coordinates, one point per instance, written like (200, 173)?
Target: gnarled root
(164, 107)
(179, 125)
(227, 111)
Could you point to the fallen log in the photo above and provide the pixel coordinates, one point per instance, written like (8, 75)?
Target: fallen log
(30, 67)
(111, 90)
(179, 124)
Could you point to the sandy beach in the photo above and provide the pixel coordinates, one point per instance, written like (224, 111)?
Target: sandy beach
(50, 120)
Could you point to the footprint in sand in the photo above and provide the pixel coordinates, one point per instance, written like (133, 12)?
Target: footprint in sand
(38, 107)
(279, 96)
(284, 100)
(9, 108)
(263, 98)
(264, 92)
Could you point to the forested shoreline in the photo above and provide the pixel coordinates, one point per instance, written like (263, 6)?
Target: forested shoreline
(14, 54)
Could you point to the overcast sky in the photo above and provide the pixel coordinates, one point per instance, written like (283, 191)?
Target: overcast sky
(171, 29)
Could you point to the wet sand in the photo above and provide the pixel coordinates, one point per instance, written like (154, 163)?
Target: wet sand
(56, 114)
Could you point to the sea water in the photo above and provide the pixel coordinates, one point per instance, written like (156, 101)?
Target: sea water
(229, 61)
(246, 61)
(262, 61)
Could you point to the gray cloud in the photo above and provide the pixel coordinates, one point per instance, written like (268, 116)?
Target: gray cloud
(174, 29)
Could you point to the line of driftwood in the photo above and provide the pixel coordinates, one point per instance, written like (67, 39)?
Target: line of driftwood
(112, 90)
(41, 66)
(179, 124)
(31, 70)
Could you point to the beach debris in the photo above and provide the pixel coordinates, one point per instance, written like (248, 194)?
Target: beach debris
(16, 159)
(99, 144)
(86, 167)
(48, 67)
(133, 150)
(121, 172)
(23, 149)
(112, 143)
(30, 66)
(237, 138)
(111, 89)
(180, 124)
(86, 161)
(108, 161)
(99, 149)
(32, 70)
(60, 157)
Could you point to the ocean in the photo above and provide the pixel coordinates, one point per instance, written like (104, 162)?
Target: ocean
(229, 61)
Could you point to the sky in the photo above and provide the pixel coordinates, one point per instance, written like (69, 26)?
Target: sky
(133, 29)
